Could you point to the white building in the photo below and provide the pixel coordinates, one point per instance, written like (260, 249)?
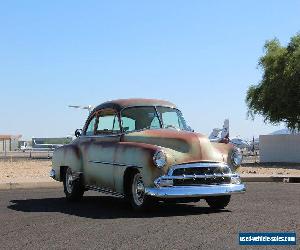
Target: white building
(279, 148)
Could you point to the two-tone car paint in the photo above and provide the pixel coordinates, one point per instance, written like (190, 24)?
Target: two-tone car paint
(103, 160)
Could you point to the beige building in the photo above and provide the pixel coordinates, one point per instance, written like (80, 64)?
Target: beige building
(9, 142)
(279, 148)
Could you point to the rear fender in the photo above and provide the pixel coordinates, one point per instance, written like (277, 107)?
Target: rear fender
(67, 156)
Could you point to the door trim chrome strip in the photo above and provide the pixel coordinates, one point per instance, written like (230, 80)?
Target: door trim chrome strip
(115, 164)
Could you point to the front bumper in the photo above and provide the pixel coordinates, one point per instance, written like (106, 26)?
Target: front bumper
(199, 179)
(195, 191)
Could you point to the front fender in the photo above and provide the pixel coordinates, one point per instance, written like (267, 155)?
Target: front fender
(139, 156)
(226, 151)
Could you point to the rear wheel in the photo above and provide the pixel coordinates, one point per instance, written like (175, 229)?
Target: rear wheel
(218, 202)
(73, 186)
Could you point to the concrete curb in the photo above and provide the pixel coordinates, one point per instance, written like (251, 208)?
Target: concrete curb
(288, 179)
(44, 185)
(29, 185)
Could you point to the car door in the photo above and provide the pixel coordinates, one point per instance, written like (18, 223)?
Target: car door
(102, 135)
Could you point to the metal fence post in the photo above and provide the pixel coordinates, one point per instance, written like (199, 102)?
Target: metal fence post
(4, 148)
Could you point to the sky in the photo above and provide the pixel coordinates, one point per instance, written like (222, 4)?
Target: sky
(200, 55)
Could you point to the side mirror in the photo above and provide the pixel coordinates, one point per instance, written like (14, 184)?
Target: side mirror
(78, 132)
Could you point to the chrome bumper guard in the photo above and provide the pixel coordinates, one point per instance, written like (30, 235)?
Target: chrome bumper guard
(195, 191)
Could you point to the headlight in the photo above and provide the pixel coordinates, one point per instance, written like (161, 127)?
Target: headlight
(236, 157)
(159, 159)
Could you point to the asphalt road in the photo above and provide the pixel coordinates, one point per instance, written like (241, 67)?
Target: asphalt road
(42, 219)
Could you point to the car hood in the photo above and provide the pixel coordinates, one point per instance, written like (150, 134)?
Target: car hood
(183, 146)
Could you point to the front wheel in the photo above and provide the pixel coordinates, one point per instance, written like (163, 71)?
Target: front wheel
(136, 192)
(218, 202)
(73, 186)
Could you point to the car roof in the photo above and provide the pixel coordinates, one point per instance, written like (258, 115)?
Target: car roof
(119, 104)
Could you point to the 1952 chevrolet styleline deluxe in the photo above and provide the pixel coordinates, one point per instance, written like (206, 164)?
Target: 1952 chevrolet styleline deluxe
(143, 150)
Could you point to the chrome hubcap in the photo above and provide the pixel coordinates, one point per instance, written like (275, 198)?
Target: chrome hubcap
(69, 181)
(138, 189)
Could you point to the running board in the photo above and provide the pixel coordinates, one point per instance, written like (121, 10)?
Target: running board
(105, 191)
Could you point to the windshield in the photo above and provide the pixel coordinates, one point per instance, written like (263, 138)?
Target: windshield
(140, 118)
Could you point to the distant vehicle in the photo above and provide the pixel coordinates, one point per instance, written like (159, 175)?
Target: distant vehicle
(25, 146)
(45, 146)
(39, 146)
(143, 150)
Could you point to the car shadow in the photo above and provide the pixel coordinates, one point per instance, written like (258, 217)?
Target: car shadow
(107, 207)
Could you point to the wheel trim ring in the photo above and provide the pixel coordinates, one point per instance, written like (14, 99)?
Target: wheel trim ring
(138, 190)
(69, 181)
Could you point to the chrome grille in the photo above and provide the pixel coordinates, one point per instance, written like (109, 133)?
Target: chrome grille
(200, 174)
(201, 171)
(201, 181)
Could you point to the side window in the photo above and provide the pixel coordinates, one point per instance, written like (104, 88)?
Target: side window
(108, 123)
(91, 127)
(170, 119)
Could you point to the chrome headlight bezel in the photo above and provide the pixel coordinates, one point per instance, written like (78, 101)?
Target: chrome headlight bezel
(159, 159)
(236, 157)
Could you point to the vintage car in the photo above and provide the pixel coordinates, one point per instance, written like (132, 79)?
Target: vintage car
(143, 150)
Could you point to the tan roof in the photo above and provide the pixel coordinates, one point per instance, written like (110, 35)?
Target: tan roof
(9, 137)
(142, 101)
(123, 103)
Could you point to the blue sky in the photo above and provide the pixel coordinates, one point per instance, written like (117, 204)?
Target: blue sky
(200, 55)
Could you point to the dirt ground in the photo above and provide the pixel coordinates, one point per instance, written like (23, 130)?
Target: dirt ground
(26, 170)
(17, 171)
(278, 169)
